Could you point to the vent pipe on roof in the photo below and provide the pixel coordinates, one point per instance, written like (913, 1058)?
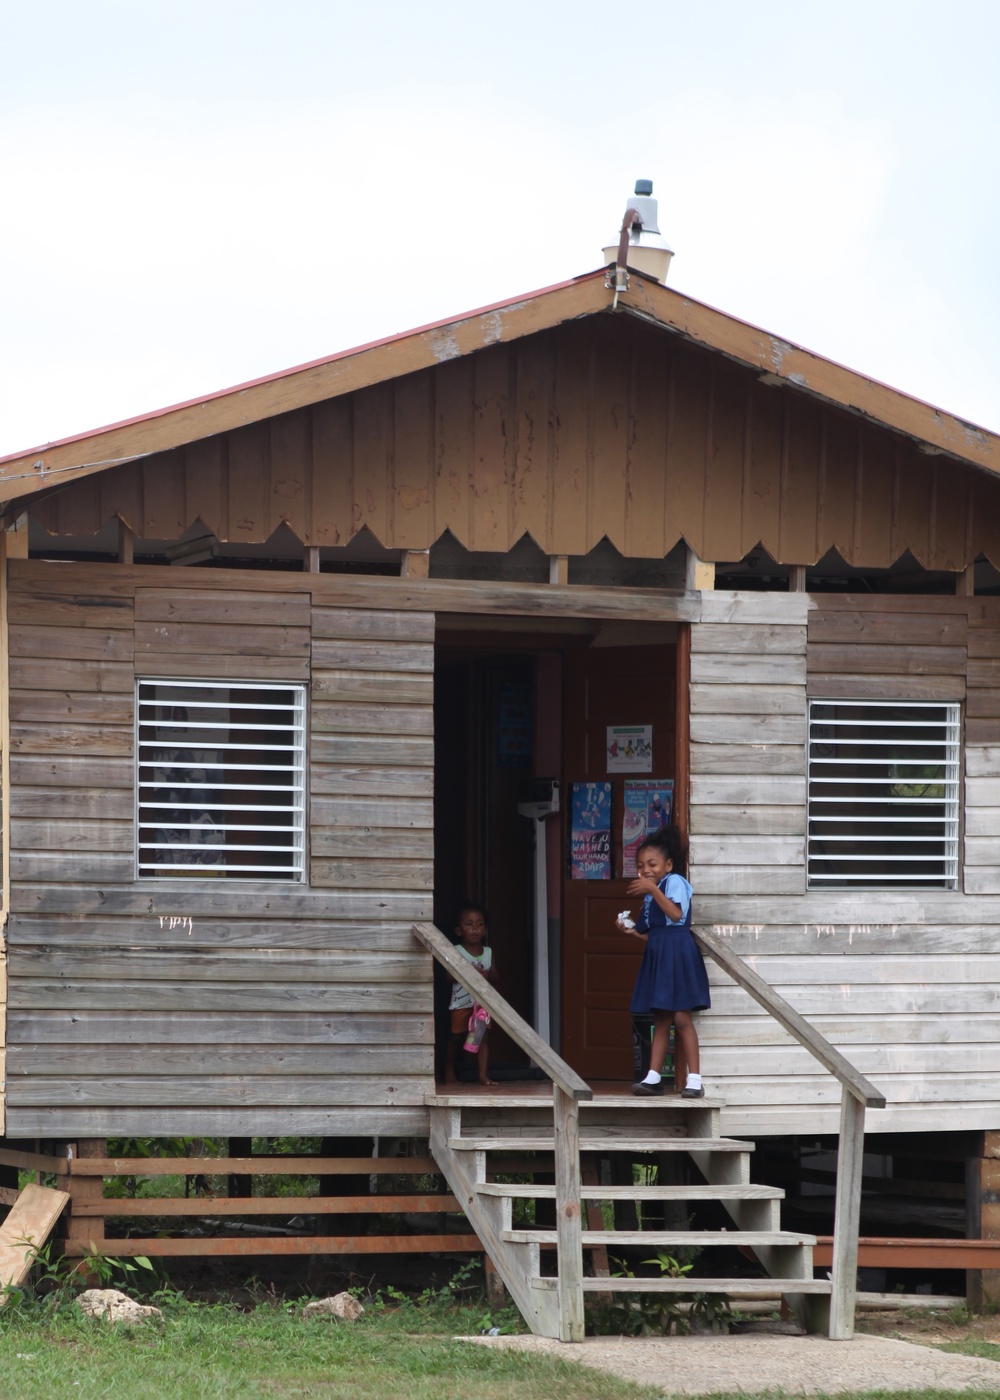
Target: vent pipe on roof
(641, 246)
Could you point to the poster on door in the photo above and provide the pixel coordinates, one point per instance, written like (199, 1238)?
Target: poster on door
(647, 807)
(590, 832)
(630, 748)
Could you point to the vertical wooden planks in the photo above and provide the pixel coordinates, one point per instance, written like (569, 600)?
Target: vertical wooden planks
(607, 389)
(531, 487)
(411, 501)
(724, 464)
(650, 533)
(762, 470)
(572, 530)
(332, 472)
(290, 456)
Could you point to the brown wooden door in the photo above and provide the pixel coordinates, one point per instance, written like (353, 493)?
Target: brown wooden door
(603, 686)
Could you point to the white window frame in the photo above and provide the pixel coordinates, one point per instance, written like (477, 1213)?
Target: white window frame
(910, 817)
(292, 703)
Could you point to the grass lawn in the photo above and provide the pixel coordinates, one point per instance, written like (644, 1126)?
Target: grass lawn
(207, 1352)
(211, 1351)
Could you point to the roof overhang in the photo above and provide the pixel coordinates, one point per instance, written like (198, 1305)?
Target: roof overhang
(26, 473)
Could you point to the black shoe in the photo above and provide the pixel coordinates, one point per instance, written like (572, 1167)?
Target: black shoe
(648, 1091)
(688, 1093)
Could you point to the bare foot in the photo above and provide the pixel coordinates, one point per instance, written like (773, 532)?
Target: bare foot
(488, 1083)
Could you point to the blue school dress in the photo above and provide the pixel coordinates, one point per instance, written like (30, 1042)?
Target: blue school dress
(672, 974)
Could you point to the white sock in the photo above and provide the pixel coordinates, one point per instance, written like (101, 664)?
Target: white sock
(693, 1081)
(652, 1077)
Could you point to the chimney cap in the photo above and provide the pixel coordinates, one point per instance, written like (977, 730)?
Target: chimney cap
(644, 187)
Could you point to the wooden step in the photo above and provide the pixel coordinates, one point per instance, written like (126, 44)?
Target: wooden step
(682, 1239)
(733, 1287)
(593, 1143)
(501, 1101)
(637, 1193)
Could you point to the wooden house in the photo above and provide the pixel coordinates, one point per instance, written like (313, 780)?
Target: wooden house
(281, 664)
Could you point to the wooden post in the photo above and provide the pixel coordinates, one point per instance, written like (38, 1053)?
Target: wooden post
(558, 568)
(847, 1217)
(88, 1228)
(312, 559)
(982, 1217)
(965, 582)
(797, 579)
(569, 1220)
(241, 1186)
(126, 543)
(698, 576)
(416, 563)
(682, 730)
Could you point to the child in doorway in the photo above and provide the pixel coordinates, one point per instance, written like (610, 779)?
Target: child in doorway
(672, 980)
(470, 929)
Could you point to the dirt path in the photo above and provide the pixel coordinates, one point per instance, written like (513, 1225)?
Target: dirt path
(794, 1365)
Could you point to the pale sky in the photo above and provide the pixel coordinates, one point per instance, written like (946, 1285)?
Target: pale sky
(195, 194)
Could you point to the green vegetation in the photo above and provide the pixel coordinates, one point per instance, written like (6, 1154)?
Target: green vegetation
(400, 1348)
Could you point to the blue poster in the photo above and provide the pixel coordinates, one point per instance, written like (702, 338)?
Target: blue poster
(590, 832)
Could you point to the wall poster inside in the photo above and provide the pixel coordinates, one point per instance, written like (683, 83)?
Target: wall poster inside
(647, 807)
(590, 832)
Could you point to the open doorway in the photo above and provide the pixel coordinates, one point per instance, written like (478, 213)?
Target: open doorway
(514, 705)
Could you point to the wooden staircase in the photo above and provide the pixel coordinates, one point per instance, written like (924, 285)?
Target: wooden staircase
(558, 1135)
(478, 1138)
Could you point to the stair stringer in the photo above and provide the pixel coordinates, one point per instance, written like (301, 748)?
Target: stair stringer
(780, 1262)
(516, 1264)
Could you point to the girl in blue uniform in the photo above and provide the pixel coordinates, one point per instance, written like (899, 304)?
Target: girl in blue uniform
(672, 981)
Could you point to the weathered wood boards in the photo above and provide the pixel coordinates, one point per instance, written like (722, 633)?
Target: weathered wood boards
(207, 1005)
(904, 982)
(600, 427)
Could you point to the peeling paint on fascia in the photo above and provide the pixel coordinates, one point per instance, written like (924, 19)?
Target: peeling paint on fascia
(444, 345)
(798, 379)
(492, 328)
(779, 349)
(974, 435)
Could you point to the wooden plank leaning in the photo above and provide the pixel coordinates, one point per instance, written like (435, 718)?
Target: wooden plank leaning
(25, 1230)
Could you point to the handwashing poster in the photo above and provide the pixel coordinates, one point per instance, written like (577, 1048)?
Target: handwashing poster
(647, 807)
(590, 832)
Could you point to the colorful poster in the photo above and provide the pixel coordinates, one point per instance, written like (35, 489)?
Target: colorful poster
(590, 832)
(647, 807)
(630, 748)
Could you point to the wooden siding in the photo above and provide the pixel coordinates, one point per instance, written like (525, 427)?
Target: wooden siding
(905, 983)
(600, 428)
(179, 1006)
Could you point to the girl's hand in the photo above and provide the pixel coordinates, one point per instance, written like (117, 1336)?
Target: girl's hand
(643, 886)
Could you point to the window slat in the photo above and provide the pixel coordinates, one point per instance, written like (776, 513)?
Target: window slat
(193, 739)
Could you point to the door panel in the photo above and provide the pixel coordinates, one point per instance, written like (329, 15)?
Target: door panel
(607, 685)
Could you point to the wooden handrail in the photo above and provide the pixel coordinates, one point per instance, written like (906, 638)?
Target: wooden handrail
(829, 1057)
(502, 1012)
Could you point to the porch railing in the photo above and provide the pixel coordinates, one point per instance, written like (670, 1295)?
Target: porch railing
(568, 1089)
(857, 1094)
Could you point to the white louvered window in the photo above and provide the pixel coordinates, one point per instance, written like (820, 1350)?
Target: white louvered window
(221, 779)
(883, 795)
